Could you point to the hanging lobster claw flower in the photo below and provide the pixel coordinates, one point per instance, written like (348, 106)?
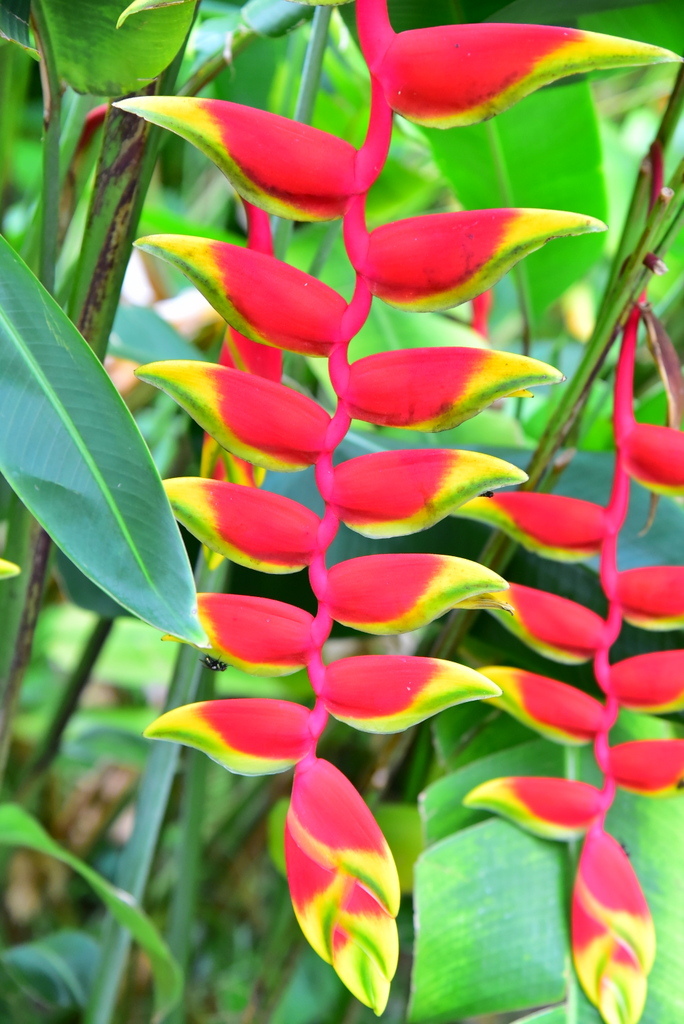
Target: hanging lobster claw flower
(654, 456)
(229, 405)
(649, 767)
(263, 298)
(343, 881)
(559, 712)
(556, 627)
(391, 494)
(550, 808)
(653, 597)
(284, 167)
(400, 592)
(440, 260)
(461, 74)
(249, 736)
(653, 683)
(613, 939)
(564, 529)
(256, 634)
(437, 388)
(388, 693)
(255, 528)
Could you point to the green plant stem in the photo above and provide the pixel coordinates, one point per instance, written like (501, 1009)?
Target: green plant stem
(75, 685)
(188, 857)
(124, 170)
(155, 787)
(306, 99)
(38, 545)
(52, 101)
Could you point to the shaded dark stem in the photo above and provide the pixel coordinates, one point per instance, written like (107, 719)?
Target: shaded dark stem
(75, 686)
(40, 547)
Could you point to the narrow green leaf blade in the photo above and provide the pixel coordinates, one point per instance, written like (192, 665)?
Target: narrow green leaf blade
(72, 452)
(18, 828)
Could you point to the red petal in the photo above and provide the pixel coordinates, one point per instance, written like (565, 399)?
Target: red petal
(650, 767)
(558, 628)
(653, 597)
(650, 682)
(655, 457)
(561, 712)
(437, 388)
(256, 634)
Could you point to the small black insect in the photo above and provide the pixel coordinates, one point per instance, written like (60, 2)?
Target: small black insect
(487, 494)
(624, 847)
(680, 783)
(213, 663)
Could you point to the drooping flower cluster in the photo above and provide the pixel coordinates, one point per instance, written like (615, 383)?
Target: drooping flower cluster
(613, 937)
(342, 877)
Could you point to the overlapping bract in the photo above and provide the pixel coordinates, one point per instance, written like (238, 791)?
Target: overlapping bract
(555, 626)
(344, 884)
(613, 938)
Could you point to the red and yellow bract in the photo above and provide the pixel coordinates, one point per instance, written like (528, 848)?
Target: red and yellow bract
(653, 683)
(551, 808)
(650, 767)
(559, 712)
(555, 626)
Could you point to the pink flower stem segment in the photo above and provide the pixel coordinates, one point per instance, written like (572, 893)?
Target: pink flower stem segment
(369, 162)
(616, 513)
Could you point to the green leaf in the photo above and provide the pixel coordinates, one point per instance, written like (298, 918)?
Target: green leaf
(95, 56)
(14, 23)
(140, 334)
(529, 157)
(491, 924)
(18, 828)
(72, 452)
(57, 970)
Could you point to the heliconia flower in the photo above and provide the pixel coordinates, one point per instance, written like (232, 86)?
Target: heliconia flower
(263, 298)
(654, 456)
(556, 627)
(388, 693)
(437, 388)
(613, 938)
(462, 74)
(399, 592)
(560, 712)
(258, 529)
(343, 881)
(390, 494)
(564, 529)
(442, 259)
(249, 736)
(8, 569)
(229, 405)
(551, 808)
(653, 597)
(256, 634)
(649, 767)
(653, 682)
(284, 167)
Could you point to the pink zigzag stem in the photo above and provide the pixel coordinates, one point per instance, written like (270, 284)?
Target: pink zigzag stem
(373, 25)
